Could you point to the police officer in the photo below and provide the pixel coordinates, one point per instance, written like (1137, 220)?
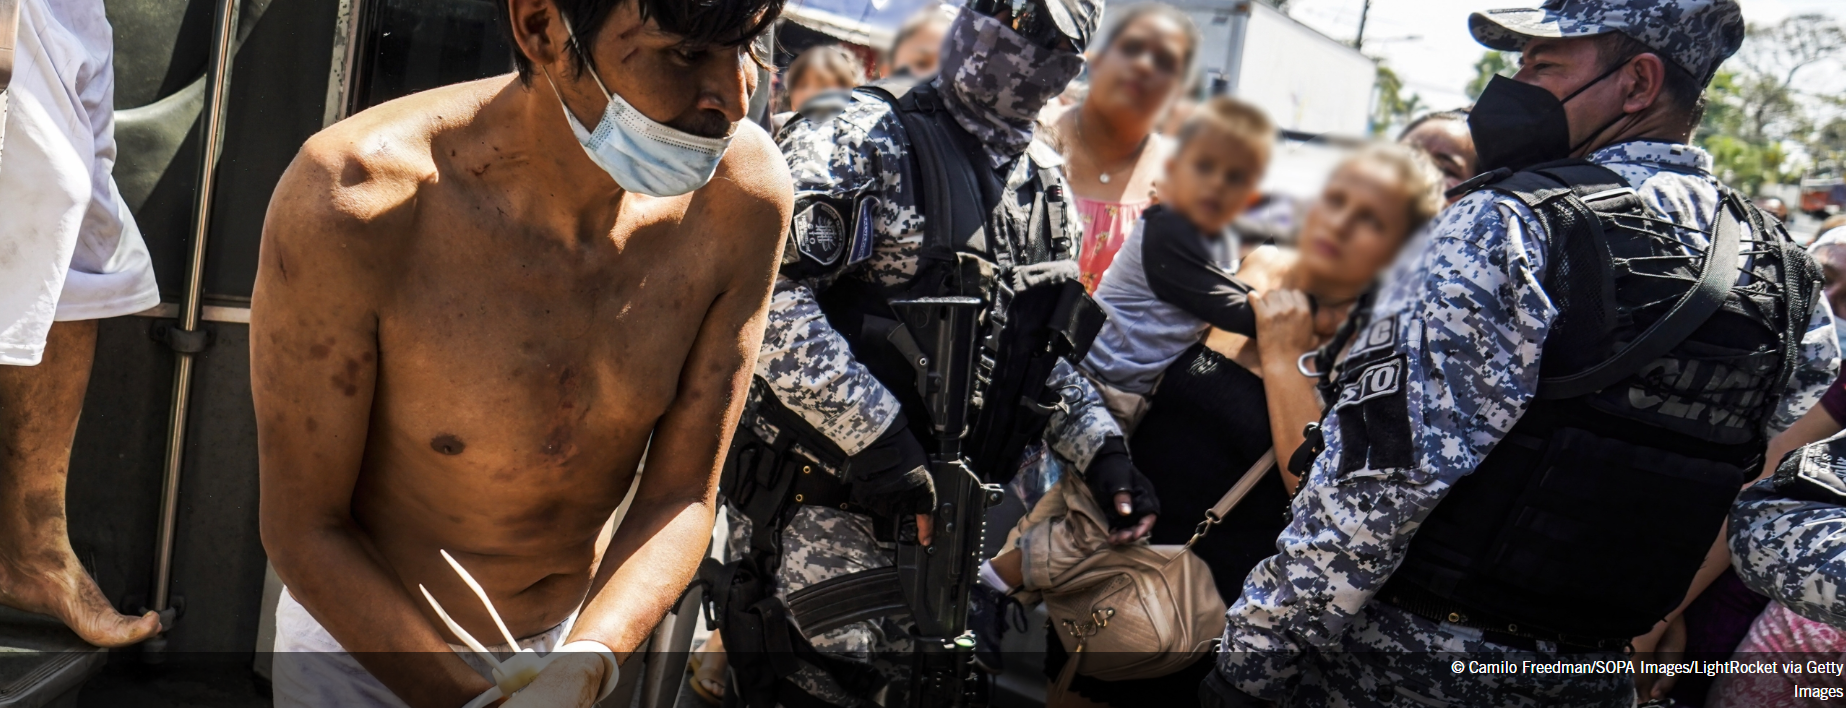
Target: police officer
(915, 189)
(1536, 436)
(1788, 533)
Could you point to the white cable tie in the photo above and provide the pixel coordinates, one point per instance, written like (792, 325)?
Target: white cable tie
(612, 669)
(456, 628)
(511, 641)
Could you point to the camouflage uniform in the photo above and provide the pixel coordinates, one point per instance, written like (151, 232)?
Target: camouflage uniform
(993, 85)
(1792, 546)
(1469, 317)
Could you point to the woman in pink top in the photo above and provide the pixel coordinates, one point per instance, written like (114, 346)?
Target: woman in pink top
(1780, 637)
(1113, 153)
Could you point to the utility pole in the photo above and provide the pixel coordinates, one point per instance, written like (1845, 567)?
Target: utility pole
(1359, 41)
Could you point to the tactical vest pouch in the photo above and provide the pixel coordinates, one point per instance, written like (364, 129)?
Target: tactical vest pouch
(764, 646)
(1050, 320)
(776, 464)
(1571, 513)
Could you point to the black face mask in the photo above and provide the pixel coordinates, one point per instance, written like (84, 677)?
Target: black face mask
(1517, 125)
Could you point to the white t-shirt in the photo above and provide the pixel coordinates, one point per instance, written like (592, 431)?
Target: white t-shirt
(69, 248)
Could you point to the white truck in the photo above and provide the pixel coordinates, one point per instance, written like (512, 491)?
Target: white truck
(1317, 89)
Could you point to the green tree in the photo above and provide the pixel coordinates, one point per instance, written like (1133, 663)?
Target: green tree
(1780, 52)
(1757, 112)
(1828, 145)
(1393, 106)
(1739, 130)
(1493, 62)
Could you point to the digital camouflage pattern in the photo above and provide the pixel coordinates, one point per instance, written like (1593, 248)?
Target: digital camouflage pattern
(861, 153)
(1391, 657)
(1698, 35)
(1793, 549)
(809, 365)
(995, 82)
(1468, 317)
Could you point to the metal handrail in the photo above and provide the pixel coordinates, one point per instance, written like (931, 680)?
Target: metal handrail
(224, 33)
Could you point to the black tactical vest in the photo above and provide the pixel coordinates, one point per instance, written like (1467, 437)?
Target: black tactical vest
(1000, 237)
(1586, 524)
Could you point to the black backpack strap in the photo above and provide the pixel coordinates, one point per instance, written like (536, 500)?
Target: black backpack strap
(1561, 193)
(944, 174)
(1716, 276)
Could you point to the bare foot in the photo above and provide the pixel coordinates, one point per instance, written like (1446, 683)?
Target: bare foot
(54, 584)
(708, 672)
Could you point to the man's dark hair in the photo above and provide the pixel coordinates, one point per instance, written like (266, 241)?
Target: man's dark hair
(721, 23)
(1681, 90)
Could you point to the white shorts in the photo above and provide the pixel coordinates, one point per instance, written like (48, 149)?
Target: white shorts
(311, 669)
(69, 248)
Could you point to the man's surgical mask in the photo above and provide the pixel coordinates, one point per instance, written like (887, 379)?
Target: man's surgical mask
(642, 155)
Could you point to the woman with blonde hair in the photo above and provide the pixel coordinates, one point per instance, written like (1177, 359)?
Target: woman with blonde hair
(1230, 398)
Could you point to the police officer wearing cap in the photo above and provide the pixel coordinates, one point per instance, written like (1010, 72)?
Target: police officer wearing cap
(1537, 433)
(915, 188)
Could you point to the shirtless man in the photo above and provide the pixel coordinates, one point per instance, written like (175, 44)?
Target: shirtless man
(470, 321)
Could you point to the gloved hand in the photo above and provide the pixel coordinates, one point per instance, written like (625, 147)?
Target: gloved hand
(891, 477)
(1122, 491)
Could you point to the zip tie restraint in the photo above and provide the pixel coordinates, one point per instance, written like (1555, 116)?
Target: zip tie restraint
(517, 671)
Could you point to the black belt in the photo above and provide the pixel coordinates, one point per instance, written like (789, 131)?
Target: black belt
(819, 487)
(1416, 600)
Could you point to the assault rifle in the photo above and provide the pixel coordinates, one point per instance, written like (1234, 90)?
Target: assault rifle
(940, 337)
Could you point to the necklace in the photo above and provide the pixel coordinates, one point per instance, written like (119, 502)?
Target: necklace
(1132, 159)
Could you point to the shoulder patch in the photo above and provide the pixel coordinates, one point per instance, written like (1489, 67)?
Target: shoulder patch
(1374, 418)
(820, 232)
(1381, 379)
(865, 215)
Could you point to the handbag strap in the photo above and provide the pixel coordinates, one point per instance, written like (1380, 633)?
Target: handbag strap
(1234, 495)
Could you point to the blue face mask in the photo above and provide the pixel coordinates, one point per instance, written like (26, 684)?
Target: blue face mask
(642, 155)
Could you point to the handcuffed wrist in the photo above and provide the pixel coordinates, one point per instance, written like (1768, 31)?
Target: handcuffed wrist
(612, 670)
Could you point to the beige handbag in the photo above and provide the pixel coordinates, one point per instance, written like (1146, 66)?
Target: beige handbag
(1122, 612)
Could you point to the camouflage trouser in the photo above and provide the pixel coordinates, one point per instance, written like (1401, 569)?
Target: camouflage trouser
(820, 543)
(1391, 657)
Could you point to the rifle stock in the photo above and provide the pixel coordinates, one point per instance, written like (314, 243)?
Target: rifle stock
(944, 334)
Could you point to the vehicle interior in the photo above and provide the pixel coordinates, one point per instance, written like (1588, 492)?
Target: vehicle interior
(163, 483)
(213, 98)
